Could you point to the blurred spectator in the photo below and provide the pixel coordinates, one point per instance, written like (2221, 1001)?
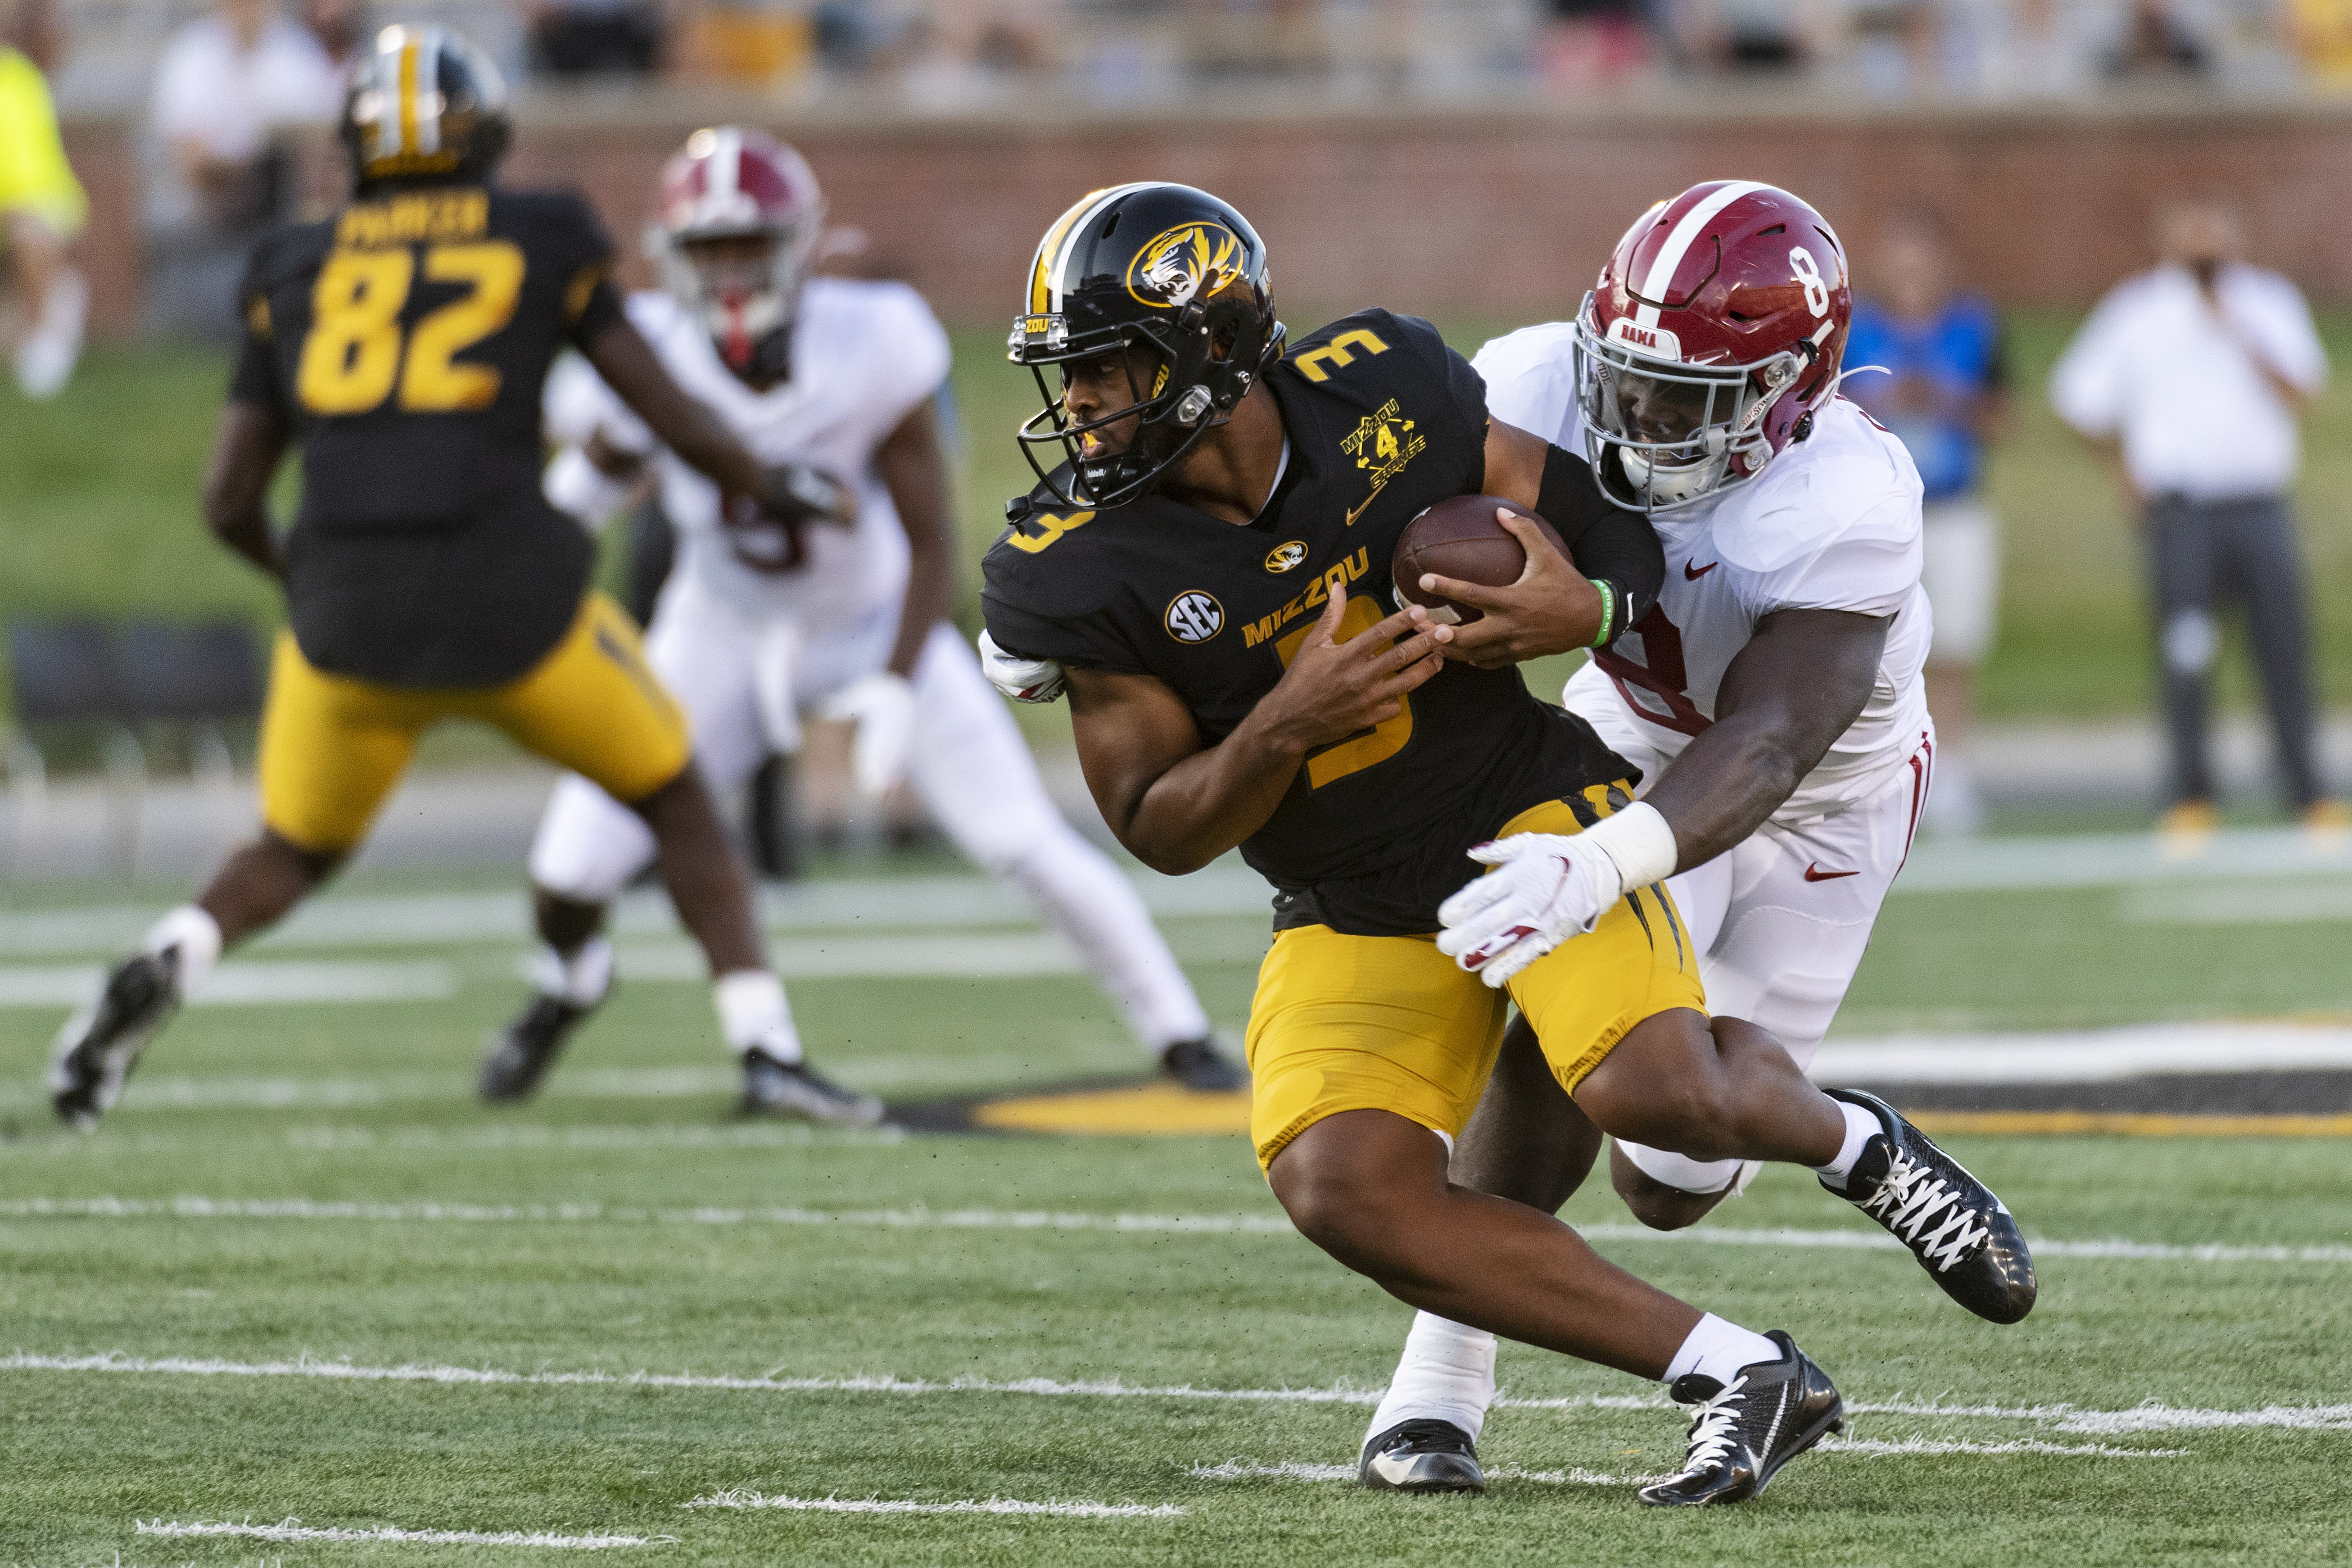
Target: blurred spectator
(340, 27)
(2193, 374)
(41, 207)
(597, 38)
(1946, 397)
(2158, 41)
(244, 101)
(2322, 31)
(1588, 42)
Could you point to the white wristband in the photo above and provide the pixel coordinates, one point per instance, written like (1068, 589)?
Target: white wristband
(578, 489)
(1639, 840)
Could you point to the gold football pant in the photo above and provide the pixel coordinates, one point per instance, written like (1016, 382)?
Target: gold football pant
(333, 747)
(1390, 1023)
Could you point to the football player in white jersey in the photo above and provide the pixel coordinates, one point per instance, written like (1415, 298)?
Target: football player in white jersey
(1773, 702)
(844, 614)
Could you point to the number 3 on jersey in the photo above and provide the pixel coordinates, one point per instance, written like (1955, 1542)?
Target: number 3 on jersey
(354, 355)
(1377, 744)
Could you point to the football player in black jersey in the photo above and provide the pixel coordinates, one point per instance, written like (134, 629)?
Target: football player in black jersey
(403, 344)
(1208, 569)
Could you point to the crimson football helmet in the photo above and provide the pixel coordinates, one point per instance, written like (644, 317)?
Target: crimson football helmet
(729, 184)
(1715, 331)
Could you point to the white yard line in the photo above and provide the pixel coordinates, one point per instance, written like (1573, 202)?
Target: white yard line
(2084, 1056)
(2151, 1416)
(247, 984)
(752, 1500)
(340, 1210)
(295, 1530)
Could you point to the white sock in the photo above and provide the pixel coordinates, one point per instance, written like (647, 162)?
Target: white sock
(581, 979)
(197, 935)
(1861, 1127)
(754, 1016)
(1719, 1350)
(1094, 904)
(1446, 1374)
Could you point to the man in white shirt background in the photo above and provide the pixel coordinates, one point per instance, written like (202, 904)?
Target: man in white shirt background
(240, 122)
(2192, 376)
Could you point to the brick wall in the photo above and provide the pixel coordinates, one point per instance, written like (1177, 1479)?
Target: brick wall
(1504, 213)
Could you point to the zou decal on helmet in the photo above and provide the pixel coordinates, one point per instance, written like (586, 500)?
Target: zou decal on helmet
(426, 105)
(1715, 331)
(1176, 281)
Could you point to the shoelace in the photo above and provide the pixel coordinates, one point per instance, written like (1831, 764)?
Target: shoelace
(1910, 1197)
(1715, 1425)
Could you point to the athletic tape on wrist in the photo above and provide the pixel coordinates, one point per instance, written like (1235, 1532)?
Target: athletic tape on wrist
(1639, 841)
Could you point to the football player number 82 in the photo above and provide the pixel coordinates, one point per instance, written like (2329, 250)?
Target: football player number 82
(355, 354)
(1377, 744)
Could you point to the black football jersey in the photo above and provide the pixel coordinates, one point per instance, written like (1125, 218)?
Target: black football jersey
(406, 340)
(1383, 419)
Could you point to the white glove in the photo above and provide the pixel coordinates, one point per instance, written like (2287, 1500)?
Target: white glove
(1022, 680)
(578, 489)
(1546, 888)
(882, 705)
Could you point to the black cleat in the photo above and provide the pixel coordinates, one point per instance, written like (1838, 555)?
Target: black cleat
(1203, 1067)
(1962, 1235)
(527, 1047)
(1421, 1457)
(772, 1088)
(101, 1044)
(1740, 1436)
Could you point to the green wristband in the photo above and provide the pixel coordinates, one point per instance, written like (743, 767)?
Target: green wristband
(1608, 611)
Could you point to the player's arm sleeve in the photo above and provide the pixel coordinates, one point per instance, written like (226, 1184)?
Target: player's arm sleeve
(1085, 639)
(1869, 570)
(257, 379)
(591, 304)
(1609, 544)
(917, 362)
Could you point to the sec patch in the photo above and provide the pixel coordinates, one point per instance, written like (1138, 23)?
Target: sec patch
(1194, 616)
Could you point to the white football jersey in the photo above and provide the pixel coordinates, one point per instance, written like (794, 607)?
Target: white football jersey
(864, 355)
(1833, 523)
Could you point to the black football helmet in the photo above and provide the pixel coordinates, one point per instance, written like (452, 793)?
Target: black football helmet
(1157, 266)
(425, 105)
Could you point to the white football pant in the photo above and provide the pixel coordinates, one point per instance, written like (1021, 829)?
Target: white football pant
(1780, 921)
(742, 684)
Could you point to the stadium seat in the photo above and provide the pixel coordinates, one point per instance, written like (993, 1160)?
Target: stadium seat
(67, 677)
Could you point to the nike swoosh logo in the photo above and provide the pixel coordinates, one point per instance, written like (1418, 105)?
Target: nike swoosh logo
(1815, 874)
(1357, 509)
(1694, 572)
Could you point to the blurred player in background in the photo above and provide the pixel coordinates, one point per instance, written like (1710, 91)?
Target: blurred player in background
(2192, 377)
(1771, 699)
(42, 207)
(1360, 761)
(403, 344)
(759, 622)
(1945, 396)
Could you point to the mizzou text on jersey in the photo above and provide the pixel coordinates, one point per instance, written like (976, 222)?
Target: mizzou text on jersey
(406, 341)
(1383, 419)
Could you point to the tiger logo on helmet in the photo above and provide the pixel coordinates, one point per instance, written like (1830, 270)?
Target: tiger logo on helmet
(1187, 262)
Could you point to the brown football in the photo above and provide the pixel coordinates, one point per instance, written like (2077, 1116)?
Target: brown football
(1459, 538)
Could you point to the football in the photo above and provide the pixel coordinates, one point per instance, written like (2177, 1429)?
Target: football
(1460, 537)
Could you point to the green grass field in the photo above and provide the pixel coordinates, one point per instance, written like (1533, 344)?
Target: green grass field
(297, 1199)
(98, 514)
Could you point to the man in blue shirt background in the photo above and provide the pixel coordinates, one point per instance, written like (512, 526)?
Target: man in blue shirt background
(1945, 396)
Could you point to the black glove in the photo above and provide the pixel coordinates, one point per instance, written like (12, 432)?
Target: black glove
(798, 494)
(765, 534)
